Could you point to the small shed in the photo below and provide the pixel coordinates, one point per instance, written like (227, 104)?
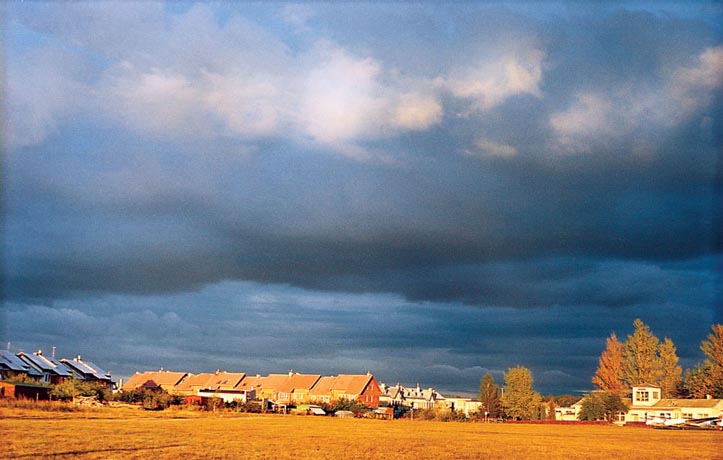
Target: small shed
(24, 391)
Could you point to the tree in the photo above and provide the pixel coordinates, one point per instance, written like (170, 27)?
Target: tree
(489, 396)
(71, 388)
(670, 370)
(566, 400)
(551, 406)
(601, 406)
(641, 363)
(592, 408)
(713, 349)
(520, 400)
(609, 375)
(698, 381)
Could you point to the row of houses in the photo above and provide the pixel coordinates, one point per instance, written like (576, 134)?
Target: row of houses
(283, 389)
(49, 369)
(296, 388)
(646, 405)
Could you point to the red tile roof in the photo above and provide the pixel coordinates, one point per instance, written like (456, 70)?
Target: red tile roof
(225, 380)
(166, 379)
(351, 384)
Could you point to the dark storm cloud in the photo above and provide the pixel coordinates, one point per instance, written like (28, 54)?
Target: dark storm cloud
(444, 345)
(361, 229)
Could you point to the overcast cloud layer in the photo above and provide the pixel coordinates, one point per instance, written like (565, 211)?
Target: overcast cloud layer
(429, 191)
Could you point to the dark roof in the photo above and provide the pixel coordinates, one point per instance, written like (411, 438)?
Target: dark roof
(86, 368)
(11, 362)
(45, 363)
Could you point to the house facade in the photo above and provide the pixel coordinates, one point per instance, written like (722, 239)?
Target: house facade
(12, 367)
(362, 388)
(648, 406)
(86, 370)
(51, 370)
(465, 405)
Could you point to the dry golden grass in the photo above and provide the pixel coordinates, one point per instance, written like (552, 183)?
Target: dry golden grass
(134, 434)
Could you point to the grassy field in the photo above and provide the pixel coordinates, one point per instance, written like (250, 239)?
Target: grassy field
(134, 434)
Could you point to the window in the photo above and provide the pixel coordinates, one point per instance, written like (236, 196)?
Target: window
(656, 395)
(642, 395)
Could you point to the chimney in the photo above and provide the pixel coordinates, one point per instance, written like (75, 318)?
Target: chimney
(53, 354)
(291, 372)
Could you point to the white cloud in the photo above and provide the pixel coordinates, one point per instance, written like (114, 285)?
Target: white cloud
(690, 87)
(417, 112)
(598, 118)
(589, 118)
(341, 96)
(493, 80)
(35, 101)
(489, 147)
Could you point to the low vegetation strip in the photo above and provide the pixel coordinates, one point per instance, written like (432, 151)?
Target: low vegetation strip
(209, 437)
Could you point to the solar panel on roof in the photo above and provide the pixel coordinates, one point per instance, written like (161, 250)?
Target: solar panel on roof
(100, 373)
(12, 362)
(60, 368)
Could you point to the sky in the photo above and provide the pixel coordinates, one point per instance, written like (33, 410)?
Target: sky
(430, 191)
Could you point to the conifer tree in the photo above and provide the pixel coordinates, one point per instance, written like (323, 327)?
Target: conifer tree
(641, 363)
(670, 370)
(489, 396)
(713, 349)
(609, 375)
(698, 382)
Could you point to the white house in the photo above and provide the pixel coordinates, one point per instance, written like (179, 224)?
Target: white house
(647, 404)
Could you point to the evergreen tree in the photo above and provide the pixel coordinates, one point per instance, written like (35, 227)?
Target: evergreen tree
(520, 400)
(641, 363)
(609, 375)
(670, 370)
(489, 396)
(698, 381)
(713, 349)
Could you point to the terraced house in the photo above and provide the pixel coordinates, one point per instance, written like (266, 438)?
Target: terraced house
(48, 369)
(283, 389)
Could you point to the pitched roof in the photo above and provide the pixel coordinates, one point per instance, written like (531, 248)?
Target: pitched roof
(272, 381)
(166, 379)
(298, 382)
(248, 383)
(11, 362)
(193, 380)
(224, 380)
(323, 386)
(86, 368)
(351, 384)
(687, 403)
(45, 363)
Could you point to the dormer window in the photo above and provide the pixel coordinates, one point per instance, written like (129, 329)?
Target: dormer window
(642, 395)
